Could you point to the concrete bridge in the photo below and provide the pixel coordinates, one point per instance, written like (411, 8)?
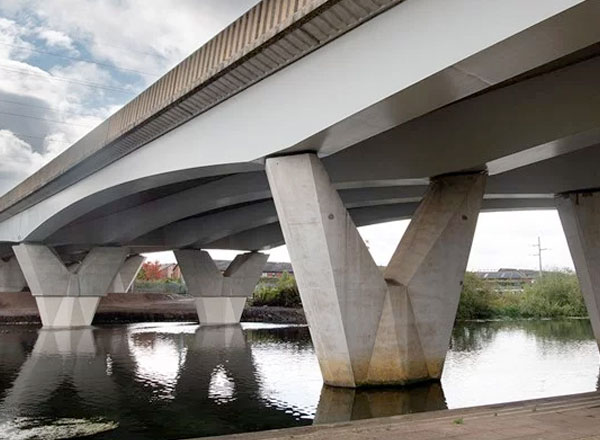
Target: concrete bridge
(304, 119)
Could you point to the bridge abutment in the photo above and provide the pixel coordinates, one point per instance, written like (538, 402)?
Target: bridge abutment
(368, 327)
(220, 297)
(580, 217)
(68, 297)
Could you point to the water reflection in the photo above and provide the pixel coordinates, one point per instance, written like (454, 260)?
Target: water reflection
(342, 405)
(167, 381)
(60, 360)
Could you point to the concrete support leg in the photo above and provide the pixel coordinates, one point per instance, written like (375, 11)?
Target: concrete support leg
(580, 218)
(127, 274)
(370, 328)
(68, 297)
(220, 296)
(11, 276)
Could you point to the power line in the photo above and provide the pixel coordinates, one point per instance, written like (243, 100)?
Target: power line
(59, 78)
(45, 119)
(86, 60)
(8, 101)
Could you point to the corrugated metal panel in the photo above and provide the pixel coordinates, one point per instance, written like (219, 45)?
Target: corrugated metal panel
(268, 37)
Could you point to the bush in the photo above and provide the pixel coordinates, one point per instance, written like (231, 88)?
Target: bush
(554, 295)
(282, 293)
(476, 299)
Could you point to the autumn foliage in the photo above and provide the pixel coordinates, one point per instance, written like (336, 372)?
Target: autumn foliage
(150, 271)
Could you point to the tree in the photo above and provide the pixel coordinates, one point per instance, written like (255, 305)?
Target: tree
(150, 271)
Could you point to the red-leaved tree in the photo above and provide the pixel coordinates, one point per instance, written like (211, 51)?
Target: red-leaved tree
(150, 271)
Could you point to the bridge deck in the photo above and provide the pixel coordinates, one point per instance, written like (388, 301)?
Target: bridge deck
(567, 417)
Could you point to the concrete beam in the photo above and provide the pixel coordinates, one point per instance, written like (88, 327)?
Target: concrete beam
(11, 276)
(367, 329)
(220, 297)
(127, 274)
(68, 297)
(580, 217)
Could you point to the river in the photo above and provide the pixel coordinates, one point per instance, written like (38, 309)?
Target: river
(179, 380)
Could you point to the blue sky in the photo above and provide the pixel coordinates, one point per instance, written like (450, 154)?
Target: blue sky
(65, 65)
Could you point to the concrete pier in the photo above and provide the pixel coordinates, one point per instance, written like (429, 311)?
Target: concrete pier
(370, 328)
(220, 297)
(68, 297)
(580, 218)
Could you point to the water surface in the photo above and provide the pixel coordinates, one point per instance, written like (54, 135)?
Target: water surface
(179, 380)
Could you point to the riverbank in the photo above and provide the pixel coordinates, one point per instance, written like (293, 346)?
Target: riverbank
(575, 417)
(20, 307)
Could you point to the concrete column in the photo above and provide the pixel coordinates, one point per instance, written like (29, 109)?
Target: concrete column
(370, 328)
(68, 297)
(127, 274)
(11, 277)
(220, 297)
(580, 218)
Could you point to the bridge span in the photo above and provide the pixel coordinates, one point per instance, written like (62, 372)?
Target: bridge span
(305, 119)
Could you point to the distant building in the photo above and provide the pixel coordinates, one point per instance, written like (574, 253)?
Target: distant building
(170, 271)
(508, 279)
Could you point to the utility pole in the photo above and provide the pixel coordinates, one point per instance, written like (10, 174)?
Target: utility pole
(540, 250)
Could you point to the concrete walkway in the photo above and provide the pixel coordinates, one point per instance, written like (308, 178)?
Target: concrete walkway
(567, 417)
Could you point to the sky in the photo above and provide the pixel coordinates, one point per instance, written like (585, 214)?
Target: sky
(66, 65)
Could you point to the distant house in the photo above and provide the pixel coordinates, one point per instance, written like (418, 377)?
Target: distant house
(170, 271)
(508, 279)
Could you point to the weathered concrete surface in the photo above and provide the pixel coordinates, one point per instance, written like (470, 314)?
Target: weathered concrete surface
(68, 297)
(580, 218)
(11, 276)
(424, 279)
(367, 329)
(575, 417)
(127, 274)
(220, 297)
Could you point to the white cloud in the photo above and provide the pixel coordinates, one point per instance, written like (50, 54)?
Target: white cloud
(51, 101)
(54, 38)
(17, 160)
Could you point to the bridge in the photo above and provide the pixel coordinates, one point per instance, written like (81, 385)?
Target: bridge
(307, 118)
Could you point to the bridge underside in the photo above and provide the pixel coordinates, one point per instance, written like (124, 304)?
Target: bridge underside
(386, 122)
